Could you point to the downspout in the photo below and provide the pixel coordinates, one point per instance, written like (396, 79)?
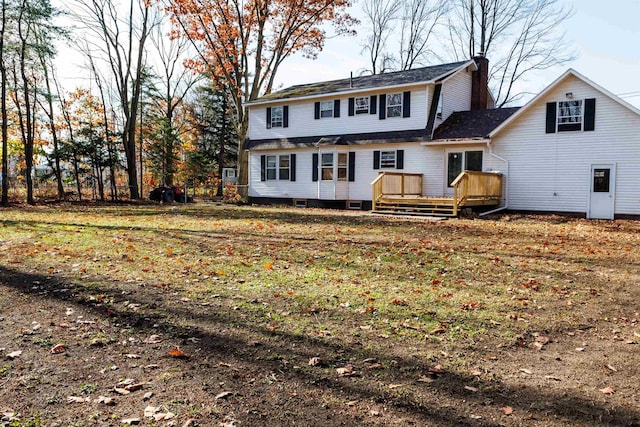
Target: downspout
(506, 183)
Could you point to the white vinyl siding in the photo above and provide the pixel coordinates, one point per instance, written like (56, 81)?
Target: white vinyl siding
(551, 172)
(302, 122)
(456, 95)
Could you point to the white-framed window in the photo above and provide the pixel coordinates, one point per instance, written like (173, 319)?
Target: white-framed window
(387, 159)
(570, 114)
(342, 166)
(284, 167)
(327, 166)
(326, 109)
(362, 105)
(271, 168)
(277, 117)
(394, 104)
(439, 108)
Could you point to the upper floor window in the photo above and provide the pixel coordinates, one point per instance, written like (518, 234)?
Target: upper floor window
(394, 104)
(570, 115)
(362, 105)
(277, 117)
(326, 109)
(439, 108)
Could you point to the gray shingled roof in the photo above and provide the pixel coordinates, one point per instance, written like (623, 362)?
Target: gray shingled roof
(349, 139)
(472, 124)
(416, 75)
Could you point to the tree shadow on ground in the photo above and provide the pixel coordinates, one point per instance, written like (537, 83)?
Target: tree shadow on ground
(227, 335)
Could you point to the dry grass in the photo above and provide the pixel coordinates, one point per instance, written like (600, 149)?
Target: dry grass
(458, 293)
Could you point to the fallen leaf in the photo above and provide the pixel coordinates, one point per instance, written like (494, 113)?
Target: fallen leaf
(153, 339)
(347, 371)
(150, 411)
(133, 356)
(14, 354)
(224, 395)
(315, 361)
(58, 348)
(177, 353)
(552, 378)
(268, 266)
(106, 400)
(393, 386)
(612, 368)
(121, 391)
(469, 388)
(134, 387)
(607, 390)
(376, 366)
(163, 416)
(76, 399)
(580, 349)
(475, 417)
(148, 395)
(69, 311)
(425, 379)
(131, 421)
(507, 410)
(526, 371)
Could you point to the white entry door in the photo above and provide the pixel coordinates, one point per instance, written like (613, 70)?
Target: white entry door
(602, 187)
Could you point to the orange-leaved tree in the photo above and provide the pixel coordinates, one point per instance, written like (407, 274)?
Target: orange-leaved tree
(242, 43)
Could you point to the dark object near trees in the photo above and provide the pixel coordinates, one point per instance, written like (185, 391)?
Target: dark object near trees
(168, 194)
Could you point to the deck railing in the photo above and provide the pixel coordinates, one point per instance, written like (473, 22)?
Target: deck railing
(474, 185)
(396, 184)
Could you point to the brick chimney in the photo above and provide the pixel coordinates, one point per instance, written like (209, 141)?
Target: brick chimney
(480, 83)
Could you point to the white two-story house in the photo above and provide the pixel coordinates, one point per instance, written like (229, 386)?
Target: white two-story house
(428, 141)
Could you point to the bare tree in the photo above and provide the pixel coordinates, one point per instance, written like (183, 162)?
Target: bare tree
(173, 84)
(120, 41)
(380, 17)
(3, 106)
(519, 36)
(419, 21)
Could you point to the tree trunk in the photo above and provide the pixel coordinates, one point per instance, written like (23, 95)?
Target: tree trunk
(3, 111)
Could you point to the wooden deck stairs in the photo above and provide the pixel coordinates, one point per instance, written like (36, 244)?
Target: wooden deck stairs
(401, 194)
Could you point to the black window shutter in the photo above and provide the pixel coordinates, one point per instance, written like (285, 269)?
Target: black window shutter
(317, 110)
(352, 106)
(336, 108)
(406, 104)
(551, 117)
(292, 167)
(373, 103)
(314, 167)
(383, 107)
(285, 116)
(376, 159)
(400, 159)
(263, 168)
(352, 166)
(589, 114)
(268, 117)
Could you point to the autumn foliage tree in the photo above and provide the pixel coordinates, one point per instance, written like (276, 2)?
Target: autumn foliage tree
(244, 42)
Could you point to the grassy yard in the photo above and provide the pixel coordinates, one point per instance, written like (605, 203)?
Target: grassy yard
(315, 317)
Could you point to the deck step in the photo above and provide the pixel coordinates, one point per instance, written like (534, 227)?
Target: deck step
(425, 207)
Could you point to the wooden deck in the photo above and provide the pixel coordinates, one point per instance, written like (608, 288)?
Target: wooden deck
(399, 193)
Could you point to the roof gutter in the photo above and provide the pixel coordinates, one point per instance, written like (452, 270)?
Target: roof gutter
(506, 185)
